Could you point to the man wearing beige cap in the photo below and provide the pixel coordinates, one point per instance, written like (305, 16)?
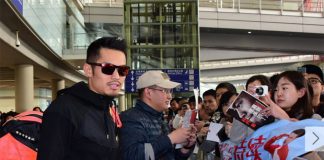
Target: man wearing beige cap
(144, 135)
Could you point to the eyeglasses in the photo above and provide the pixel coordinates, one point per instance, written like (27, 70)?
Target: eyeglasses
(164, 90)
(314, 80)
(109, 69)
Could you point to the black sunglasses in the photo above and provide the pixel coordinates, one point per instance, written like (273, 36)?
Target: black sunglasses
(109, 69)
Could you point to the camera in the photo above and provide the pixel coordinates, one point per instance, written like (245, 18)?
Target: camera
(17, 43)
(17, 39)
(261, 90)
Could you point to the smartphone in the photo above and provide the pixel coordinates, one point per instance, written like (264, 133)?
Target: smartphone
(193, 116)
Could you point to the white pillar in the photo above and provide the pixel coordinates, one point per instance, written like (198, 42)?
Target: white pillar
(24, 91)
(57, 84)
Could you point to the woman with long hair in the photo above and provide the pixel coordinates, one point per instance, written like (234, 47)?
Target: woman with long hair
(291, 98)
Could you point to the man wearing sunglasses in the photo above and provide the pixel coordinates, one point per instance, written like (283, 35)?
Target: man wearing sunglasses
(144, 135)
(80, 123)
(314, 76)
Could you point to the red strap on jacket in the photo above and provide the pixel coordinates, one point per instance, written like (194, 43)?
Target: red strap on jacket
(115, 116)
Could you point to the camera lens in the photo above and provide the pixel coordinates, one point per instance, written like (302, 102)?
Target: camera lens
(259, 91)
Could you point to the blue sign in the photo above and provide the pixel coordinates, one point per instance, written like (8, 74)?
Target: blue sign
(19, 5)
(189, 79)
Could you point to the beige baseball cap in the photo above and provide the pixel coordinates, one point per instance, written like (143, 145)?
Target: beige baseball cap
(157, 78)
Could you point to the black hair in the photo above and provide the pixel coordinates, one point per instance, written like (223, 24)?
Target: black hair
(273, 78)
(210, 92)
(4, 117)
(227, 85)
(193, 100)
(175, 99)
(35, 108)
(299, 132)
(116, 43)
(313, 69)
(224, 100)
(264, 80)
(302, 109)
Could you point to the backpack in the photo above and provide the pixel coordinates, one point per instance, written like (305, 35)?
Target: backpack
(19, 136)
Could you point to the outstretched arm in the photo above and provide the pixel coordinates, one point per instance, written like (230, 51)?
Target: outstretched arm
(273, 109)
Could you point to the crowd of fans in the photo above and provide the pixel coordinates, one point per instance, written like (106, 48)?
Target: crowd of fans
(83, 122)
(293, 95)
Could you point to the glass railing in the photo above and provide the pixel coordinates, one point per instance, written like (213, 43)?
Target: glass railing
(82, 40)
(312, 6)
(48, 20)
(109, 3)
(281, 5)
(78, 41)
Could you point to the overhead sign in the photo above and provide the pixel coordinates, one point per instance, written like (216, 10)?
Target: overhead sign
(19, 5)
(189, 79)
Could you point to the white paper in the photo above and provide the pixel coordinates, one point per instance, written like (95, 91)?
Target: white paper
(178, 146)
(213, 130)
(186, 119)
(196, 94)
(185, 124)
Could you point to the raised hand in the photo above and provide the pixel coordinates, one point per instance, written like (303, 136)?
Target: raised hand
(180, 135)
(273, 109)
(199, 125)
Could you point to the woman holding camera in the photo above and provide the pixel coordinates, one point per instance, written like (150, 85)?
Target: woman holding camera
(257, 81)
(236, 130)
(291, 98)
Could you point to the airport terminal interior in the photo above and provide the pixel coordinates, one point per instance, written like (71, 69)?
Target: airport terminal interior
(201, 42)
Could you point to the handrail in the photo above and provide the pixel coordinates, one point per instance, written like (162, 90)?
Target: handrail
(311, 6)
(76, 41)
(110, 3)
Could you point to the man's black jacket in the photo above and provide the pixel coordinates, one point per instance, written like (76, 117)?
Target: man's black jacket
(77, 126)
